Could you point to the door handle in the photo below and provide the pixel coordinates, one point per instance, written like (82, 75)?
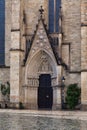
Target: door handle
(47, 96)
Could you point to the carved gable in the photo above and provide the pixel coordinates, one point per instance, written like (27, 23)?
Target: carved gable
(40, 42)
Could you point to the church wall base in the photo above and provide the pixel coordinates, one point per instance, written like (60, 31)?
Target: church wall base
(15, 105)
(84, 107)
(56, 107)
(35, 107)
(30, 106)
(4, 104)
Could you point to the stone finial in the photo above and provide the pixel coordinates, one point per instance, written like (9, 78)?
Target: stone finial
(41, 10)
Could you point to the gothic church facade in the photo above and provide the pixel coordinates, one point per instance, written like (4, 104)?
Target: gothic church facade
(40, 42)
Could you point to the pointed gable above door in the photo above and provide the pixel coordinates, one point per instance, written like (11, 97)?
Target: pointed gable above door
(40, 41)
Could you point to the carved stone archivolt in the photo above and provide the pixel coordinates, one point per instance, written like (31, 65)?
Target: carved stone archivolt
(44, 66)
(41, 63)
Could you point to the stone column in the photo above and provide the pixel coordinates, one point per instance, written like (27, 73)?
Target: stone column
(60, 43)
(60, 33)
(7, 31)
(84, 54)
(56, 98)
(15, 54)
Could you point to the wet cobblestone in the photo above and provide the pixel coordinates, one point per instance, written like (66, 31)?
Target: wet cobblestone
(40, 120)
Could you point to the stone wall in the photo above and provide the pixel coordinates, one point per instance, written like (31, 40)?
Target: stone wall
(84, 54)
(32, 14)
(7, 31)
(71, 47)
(74, 49)
(4, 75)
(71, 78)
(71, 27)
(4, 78)
(15, 54)
(12, 22)
(84, 35)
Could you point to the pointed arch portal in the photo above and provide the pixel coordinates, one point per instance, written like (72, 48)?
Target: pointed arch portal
(41, 77)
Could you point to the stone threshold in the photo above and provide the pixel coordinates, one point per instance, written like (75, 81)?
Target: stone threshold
(80, 115)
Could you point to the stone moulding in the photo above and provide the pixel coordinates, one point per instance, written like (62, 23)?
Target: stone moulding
(15, 30)
(3, 66)
(73, 72)
(16, 50)
(83, 24)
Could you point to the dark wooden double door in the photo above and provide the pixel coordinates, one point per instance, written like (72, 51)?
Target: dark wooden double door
(45, 92)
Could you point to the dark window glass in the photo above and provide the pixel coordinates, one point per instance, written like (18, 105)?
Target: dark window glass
(58, 4)
(51, 16)
(2, 32)
(52, 13)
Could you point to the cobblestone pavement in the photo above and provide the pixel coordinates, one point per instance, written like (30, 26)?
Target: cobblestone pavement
(56, 114)
(42, 120)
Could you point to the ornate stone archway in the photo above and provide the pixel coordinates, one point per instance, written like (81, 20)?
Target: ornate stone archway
(41, 63)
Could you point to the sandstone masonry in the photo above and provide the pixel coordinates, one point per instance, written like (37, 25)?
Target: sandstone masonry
(31, 51)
